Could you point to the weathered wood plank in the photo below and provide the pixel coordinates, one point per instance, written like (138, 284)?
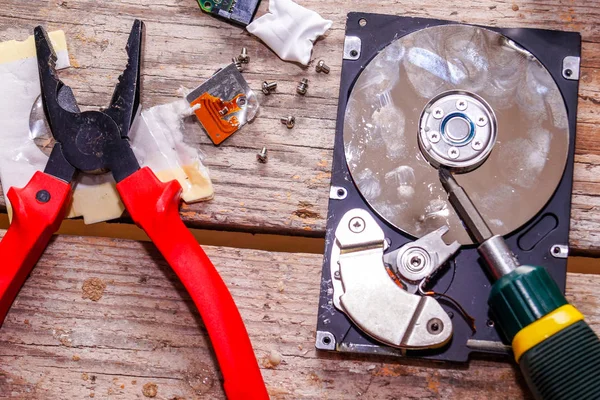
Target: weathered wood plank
(184, 47)
(144, 329)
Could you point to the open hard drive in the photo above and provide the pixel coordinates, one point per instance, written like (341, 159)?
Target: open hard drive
(401, 275)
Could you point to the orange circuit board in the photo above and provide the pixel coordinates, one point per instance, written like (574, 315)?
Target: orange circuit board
(217, 116)
(223, 104)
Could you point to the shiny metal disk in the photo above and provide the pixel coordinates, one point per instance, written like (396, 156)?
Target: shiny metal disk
(384, 118)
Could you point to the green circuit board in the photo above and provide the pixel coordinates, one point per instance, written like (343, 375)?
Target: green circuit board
(240, 12)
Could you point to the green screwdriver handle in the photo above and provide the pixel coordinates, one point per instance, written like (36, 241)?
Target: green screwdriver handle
(557, 351)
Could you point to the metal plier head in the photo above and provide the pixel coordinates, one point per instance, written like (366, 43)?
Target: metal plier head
(90, 141)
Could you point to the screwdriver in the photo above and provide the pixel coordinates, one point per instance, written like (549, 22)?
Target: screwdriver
(556, 350)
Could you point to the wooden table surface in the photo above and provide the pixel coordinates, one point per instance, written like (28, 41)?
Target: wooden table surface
(55, 344)
(144, 329)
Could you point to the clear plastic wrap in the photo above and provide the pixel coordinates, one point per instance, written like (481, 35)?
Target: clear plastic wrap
(25, 140)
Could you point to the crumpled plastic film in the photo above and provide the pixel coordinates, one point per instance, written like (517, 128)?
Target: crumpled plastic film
(167, 154)
(289, 30)
(20, 158)
(25, 142)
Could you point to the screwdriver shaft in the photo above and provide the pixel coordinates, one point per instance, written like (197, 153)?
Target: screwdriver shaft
(465, 208)
(498, 257)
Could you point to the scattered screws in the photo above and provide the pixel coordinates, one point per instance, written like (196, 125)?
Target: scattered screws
(302, 86)
(289, 121)
(268, 87)
(262, 155)
(238, 63)
(322, 67)
(438, 113)
(244, 57)
(461, 105)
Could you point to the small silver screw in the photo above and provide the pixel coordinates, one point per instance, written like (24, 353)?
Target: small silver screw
(482, 121)
(438, 113)
(337, 275)
(288, 121)
(453, 152)
(415, 262)
(238, 63)
(461, 105)
(433, 136)
(356, 224)
(477, 144)
(262, 156)
(244, 57)
(322, 67)
(435, 326)
(268, 87)
(302, 86)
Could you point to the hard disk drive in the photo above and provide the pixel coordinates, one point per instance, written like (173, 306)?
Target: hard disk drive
(497, 107)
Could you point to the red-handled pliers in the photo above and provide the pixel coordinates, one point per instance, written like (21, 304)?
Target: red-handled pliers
(97, 141)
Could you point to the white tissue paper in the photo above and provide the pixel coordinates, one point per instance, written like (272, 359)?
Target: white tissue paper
(289, 30)
(156, 139)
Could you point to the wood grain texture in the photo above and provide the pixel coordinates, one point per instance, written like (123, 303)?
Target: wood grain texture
(289, 194)
(144, 329)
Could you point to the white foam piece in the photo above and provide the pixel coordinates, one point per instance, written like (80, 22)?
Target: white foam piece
(289, 30)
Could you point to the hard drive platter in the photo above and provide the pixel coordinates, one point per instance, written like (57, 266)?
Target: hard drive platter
(494, 106)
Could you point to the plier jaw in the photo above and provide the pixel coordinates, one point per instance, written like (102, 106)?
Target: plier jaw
(98, 141)
(93, 141)
(125, 100)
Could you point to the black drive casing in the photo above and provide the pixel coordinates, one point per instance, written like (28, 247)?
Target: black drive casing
(465, 279)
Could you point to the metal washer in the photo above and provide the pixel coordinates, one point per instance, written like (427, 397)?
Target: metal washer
(467, 126)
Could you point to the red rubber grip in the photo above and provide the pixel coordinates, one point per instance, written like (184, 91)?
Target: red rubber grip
(154, 206)
(33, 224)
